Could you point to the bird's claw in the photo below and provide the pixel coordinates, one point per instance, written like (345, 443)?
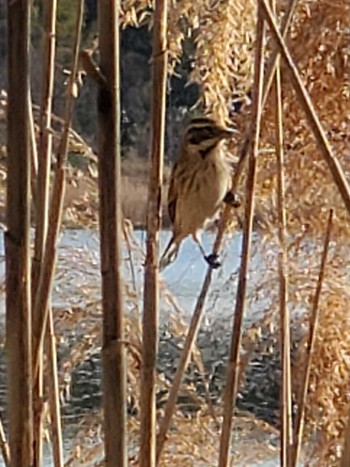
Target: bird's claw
(232, 200)
(213, 261)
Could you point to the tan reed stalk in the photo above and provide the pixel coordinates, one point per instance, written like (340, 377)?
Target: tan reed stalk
(154, 212)
(4, 447)
(33, 149)
(53, 394)
(345, 459)
(130, 257)
(286, 431)
(182, 364)
(211, 409)
(42, 206)
(43, 292)
(234, 357)
(302, 396)
(198, 311)
(306, 103)
(269, 75)
(113, 351)
(17, 241)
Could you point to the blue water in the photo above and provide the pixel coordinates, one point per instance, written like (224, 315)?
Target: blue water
(78, 279)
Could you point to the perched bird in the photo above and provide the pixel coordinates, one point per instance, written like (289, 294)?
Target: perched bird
(200, 182)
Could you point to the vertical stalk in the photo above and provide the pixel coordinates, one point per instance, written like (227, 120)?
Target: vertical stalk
(18, 309)
(53, 394)
(42, 203)
(286, 381)
(151, 289)
(233, 362)
(113, 352)
(299, 423)
(43, 292)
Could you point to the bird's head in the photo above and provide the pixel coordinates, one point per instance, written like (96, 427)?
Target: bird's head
(204, 134)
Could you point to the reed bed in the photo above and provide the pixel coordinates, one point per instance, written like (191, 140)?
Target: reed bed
(185, 418)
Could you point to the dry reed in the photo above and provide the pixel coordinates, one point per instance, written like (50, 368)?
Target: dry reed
(17, 247)
(42, 297)
(234, 358)
(113, 348)
(300, 417)
(154, 210)
(286, 382)
(41, 208)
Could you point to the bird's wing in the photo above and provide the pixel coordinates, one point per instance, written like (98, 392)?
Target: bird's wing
(172, 196)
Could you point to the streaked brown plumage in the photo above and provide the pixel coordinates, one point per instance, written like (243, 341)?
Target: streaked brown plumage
(200, 181)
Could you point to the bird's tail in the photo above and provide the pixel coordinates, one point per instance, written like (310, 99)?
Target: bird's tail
(169, 255)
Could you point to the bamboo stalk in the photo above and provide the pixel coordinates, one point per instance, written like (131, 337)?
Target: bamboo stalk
(17, 246)
(299, 423)
(43, 292)
(154, 211)
(5, 450)
(113, 352)
(311, 115)
(286, 379)
(42, 206)
(234, 358)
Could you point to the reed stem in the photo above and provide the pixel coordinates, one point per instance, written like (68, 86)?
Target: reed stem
(109, 178)
(43, 292)
(151, 283)
(233, 361)
(299, 423)
(286, 377)
(17, 240)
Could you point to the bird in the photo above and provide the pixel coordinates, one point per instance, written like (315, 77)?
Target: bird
(200, 182)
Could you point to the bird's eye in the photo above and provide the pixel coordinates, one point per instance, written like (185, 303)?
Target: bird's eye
(197, 135)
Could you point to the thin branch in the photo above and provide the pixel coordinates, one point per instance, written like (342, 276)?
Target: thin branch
(299, 424)
(233, 361)
(151, 287)
(286, 386)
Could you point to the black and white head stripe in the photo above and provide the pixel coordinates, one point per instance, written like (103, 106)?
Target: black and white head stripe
(204, 129)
